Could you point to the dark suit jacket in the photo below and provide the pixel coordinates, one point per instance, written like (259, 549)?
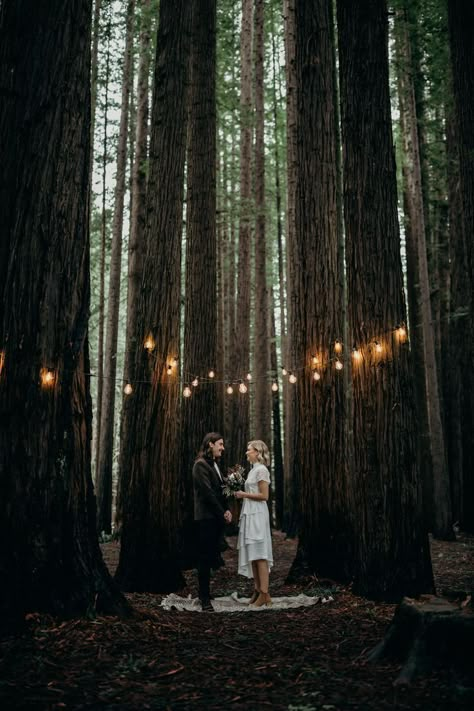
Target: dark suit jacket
(209, 501)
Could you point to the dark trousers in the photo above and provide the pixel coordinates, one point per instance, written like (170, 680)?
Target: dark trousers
(208, 534)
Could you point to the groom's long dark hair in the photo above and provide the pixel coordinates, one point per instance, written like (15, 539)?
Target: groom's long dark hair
(204, 452)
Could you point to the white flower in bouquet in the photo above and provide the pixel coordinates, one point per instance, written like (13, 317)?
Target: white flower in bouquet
(234, 480)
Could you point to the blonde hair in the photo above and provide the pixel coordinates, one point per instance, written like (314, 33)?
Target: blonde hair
(262, 451)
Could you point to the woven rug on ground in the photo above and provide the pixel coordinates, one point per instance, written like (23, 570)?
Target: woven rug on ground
(234, 603)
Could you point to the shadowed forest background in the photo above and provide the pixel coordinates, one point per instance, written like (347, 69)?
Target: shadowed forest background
(249, 217)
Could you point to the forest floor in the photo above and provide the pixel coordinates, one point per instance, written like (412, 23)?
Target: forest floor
(306, 659)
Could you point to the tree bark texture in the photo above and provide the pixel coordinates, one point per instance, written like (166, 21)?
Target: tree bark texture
(49, 554)
(136, 243)
(107, 410)
(461, 19)
(441, 519)
(392, 554)
(199, 412)
(149, 549)
(319, 449)
(261, 338)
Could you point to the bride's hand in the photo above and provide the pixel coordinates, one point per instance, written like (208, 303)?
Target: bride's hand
(239, 494)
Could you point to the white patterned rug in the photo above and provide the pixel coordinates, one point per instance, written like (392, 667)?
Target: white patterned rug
(234, 603)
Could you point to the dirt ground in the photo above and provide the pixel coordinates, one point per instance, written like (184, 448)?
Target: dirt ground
(307, 659)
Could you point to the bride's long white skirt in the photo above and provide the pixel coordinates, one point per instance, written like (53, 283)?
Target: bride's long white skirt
(255, 539)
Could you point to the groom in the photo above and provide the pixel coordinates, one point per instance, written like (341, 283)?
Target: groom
(210, 512)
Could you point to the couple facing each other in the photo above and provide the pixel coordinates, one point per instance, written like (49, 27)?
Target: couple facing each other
(211, 513)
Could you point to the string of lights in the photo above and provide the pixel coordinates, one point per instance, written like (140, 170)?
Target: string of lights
(190, 381)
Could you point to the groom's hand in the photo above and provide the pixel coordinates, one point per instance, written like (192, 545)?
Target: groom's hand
(227, 516)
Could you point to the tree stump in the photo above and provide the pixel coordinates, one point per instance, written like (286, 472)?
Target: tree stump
(428, 632)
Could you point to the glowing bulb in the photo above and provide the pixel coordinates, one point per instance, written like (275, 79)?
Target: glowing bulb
(316, 375)
(356, 354)
(315, 359)
(187, 391)
(292, 378)
(249, 376)
(195, 382)
(338, 346)
(47, 377)
(128, 390)
(230, 389)
(284, 371)
(169, 370)
(149, 343)
(339, 365)
(402, 333)
(275, 387)
(378, 347)
(175, 361)
(242, 388)
(212, 374)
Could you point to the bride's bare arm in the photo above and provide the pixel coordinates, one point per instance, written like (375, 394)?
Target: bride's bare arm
(263, 490)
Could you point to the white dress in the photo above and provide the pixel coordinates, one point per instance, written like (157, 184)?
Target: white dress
(255, 541)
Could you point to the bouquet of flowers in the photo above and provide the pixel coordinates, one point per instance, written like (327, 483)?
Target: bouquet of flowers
(234, 481)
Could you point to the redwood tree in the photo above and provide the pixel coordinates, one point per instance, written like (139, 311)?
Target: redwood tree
(49, 554)
(392, 554)
(319, 452)
(150, 502)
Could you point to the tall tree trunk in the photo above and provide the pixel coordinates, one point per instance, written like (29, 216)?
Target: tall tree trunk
(319, 450)
(392, 553)
(461, 21)
(261, 337)
(150, 506)
(241, 415)
(49, 554)
(199, 412)
(291, 494)
(136, 242)
(107, 419)
(94, 74)
(103, 249)
(441, 518)
(277, 463)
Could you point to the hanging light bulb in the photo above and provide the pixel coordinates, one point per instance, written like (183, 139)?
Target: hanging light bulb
(356, 354)
(175, 361)
(315, 359)
(401, 333)
(169, 370)
(378, 347)
(47, 377)
(212, 374)
(316, 375)
(249, 376)
(128, 390)
(292, 378)
(149, 343)
(275, 386)
(195, 382)
(338, 346)
(284, 371)
(187, 391)
(229, 389)
(339, 365)
(242, 388)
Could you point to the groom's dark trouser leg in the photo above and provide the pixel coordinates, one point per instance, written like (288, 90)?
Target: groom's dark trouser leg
(204, 580)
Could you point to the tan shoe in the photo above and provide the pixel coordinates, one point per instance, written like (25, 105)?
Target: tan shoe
(254, 597)
(263, 600)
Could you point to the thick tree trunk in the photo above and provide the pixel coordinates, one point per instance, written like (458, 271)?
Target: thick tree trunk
(291, 494)
(441, 518)
(392, 553)
(261, 337)
(136, 242)
(49, 554)
(106, 442)
(319, 449)
(199, 412)
(461, 21)
(150, 506)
